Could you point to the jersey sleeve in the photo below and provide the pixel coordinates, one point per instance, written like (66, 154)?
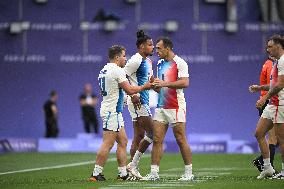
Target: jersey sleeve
(281, 67)
(121, 76)
(182, 68)
(132, 65)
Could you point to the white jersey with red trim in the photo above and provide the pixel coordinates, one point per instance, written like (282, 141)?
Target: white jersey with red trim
(278, 69)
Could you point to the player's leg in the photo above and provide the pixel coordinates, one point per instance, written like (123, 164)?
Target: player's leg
(159, 132)
(121, 154)
(138, 136)
(279, 130)
(109, 137)
(180, 135)
(138, 131)
(272, 141)
(263, 126)
(258, 162)
(146, 123)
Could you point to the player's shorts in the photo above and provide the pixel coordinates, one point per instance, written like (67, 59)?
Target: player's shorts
(262, 108)
(112, 121)
(170, 115)
(143, 111)
(274, 113)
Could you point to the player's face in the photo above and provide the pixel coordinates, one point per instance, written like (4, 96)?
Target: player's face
(161, 50)
(272, 49)
(122, 59)
(149, 47)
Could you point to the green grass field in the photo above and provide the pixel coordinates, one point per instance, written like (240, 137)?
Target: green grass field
(212, 171)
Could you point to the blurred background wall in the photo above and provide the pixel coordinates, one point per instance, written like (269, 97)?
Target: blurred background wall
(62, 44)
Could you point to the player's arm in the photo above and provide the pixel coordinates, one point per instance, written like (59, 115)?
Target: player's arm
(181, 83)
(257, 88)
(272, 92)
(130, 90)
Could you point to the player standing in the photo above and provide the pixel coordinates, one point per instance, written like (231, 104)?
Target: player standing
(272, 115)
(139, 71)
(112, 81)
(171, 109)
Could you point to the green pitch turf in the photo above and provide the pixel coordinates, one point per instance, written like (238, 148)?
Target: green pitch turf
(71, 170)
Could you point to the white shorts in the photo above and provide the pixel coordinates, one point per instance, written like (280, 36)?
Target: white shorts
(274, 113)
(170, 115)
(113, 122)
(143, 111)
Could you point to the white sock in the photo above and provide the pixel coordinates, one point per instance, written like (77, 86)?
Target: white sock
(122, 171)
(188, 169)
(155, 169)
(136, 158)
(97, 170)
(266, 162)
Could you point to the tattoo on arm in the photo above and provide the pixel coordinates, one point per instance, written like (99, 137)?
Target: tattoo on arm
(265, 87)
(274, 91)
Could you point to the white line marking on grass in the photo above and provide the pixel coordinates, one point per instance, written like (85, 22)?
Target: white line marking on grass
(57, 166)
(223, 169)
(53, 167)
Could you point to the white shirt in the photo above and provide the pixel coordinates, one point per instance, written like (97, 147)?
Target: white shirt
(139, 72)
(109, 78)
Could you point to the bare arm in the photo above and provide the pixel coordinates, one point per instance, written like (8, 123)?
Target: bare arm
(257, 88)
(130, 90)
(277, 88)
(273, 91)
(183, 82)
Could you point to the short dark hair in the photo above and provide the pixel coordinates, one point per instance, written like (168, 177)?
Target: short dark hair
(53, 93)
(166, 41)
(277, 39)
(115, 50)
(141, 38)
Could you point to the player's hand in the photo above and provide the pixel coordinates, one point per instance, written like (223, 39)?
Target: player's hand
(260, 103)
(148, 85)
(254, 88)
(135, 99)
(159, 83)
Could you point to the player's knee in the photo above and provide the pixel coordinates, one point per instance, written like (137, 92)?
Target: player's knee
(122, 144)
(108, 145)
(157, 140)
(258, 135)
(180, 140)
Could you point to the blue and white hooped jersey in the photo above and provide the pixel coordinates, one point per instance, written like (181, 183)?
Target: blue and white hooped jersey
(109, 78)
(139, 71)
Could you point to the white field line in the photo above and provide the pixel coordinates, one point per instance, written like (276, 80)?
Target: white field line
(53, 167)
(57, 166)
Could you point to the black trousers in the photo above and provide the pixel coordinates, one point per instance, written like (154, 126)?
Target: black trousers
(51, 129)
(91, 122)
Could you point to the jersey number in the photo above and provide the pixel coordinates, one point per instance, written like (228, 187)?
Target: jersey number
(102, 82)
